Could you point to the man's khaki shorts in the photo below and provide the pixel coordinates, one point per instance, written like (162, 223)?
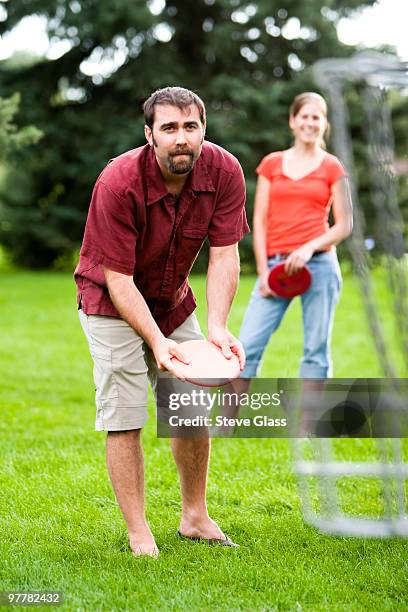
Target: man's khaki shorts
(123, 363)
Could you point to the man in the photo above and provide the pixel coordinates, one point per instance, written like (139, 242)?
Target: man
(151, 210)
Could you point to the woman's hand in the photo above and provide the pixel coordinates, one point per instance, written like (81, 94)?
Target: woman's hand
(298, 259)
(264, 288)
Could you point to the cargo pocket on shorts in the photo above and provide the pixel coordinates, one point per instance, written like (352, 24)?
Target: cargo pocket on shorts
(104, 376)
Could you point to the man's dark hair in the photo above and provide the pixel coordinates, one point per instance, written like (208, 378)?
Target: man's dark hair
(175, 96)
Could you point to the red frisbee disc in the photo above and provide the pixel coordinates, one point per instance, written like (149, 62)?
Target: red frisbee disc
(288, 286)
(208, 366)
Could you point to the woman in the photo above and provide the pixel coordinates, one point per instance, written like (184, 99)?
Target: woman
(295, 191)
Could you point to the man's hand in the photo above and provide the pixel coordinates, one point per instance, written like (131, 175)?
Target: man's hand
(298, 259)
(229, 345)
(222, 281)
(163, 350)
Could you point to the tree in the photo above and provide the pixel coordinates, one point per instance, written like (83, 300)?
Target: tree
(246, 59)
(13, 139)
(12, 143)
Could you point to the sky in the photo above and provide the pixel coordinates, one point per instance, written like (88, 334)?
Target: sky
(384, 23)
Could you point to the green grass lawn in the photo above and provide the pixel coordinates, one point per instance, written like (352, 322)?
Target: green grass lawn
(61, 528)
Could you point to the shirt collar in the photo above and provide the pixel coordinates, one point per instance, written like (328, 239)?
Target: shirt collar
(200, 179)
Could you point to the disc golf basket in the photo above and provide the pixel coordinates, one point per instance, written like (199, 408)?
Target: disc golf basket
(339, 495)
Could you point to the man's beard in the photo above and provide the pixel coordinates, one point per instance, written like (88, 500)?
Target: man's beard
(180, 166)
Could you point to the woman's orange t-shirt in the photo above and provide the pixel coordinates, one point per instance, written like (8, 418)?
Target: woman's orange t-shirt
(298, 210)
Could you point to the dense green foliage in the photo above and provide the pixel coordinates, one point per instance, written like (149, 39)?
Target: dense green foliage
(13, 139)
(246, 60)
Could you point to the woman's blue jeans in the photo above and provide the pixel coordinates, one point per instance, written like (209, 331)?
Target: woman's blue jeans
(264, 315)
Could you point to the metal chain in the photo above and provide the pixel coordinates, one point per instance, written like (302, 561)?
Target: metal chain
(343, 149)
(380, 140)
(332, 76)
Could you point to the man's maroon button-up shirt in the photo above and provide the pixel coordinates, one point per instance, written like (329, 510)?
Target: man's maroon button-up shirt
(137, 228)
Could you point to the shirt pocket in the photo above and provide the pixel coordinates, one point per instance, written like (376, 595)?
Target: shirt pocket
(198, 233)
(192, 239)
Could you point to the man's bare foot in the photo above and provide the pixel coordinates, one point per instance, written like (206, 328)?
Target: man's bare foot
(142, 542)
(200, 527)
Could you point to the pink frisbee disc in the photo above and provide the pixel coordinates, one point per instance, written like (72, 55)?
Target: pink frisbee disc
(288, 286)
(208, 366)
